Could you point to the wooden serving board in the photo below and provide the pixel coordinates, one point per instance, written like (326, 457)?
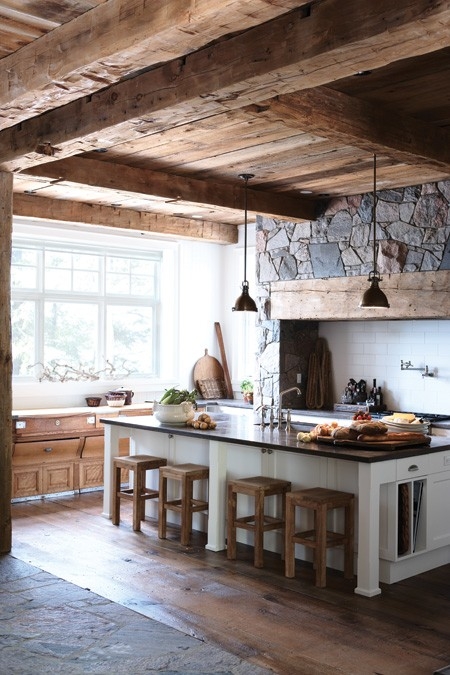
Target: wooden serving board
(374, 445)
(208, 368)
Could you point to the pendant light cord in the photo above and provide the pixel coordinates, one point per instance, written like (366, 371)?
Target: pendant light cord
(374, 211)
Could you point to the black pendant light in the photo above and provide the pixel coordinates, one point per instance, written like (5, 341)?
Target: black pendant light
(374, 296)
(245, 303)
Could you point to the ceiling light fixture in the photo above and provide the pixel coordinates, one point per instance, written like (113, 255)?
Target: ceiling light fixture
(245, 303)
(374, 296)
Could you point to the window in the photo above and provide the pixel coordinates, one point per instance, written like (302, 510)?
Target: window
(84, 309)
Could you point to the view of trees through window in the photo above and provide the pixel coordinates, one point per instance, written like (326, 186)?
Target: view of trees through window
(86, 308)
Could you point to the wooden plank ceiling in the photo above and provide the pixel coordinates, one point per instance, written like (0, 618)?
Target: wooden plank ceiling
(143, 114)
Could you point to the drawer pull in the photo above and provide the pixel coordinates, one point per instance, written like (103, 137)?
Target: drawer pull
(48, 449)
(57, 423)
(413, 467)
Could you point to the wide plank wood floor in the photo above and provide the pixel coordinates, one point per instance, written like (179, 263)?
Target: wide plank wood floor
(287, 625)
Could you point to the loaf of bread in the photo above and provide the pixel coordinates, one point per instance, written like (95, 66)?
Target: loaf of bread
(344, 433)
(370, 428)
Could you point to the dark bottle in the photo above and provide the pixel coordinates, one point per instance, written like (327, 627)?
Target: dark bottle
(374, 391)
(379, 398)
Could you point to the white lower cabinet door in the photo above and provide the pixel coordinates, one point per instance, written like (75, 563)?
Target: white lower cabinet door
(438, 510)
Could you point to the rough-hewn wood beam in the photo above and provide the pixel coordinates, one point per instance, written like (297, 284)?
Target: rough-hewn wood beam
(418, 295)
(95, 49)
(306, 51)
(351, 121)
(132, 180)
(6, 187)
(126, 219)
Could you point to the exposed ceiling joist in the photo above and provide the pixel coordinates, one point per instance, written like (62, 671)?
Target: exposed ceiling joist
(184, 96)
(112, 176)
(32, 206)
(113, 39)
(225, 76)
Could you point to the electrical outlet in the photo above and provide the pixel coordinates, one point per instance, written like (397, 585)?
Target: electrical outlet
(447, 460)
(299, 378)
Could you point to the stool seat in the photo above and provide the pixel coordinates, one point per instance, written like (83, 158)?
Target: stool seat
(139, 493)
(320, 500)
(258, 487)
(186, 504)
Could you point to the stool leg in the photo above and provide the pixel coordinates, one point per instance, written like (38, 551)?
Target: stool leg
(321, 546)
(162, 511)
(137, 505)
(186, 512)
(116, 496)
(231, 523)
(259, 529)
(289, 544)
(349, 535)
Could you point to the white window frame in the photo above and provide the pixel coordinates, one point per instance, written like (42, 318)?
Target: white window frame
(65, 235)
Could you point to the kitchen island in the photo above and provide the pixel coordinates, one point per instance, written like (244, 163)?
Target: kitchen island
(238, 447)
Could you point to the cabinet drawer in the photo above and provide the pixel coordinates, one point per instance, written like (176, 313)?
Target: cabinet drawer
(440, 461)
(94, 447)
(53, 424)
(411, 467)
(122, 412)
(43, 452)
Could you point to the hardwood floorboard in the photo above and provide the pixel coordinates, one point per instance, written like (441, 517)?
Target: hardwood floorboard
(287, 625)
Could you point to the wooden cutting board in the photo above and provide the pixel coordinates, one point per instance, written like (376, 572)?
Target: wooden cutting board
(208, 368)
(374, 445)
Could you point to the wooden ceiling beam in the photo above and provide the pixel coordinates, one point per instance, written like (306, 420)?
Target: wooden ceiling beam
(305, 51)
(31, 206)
(113, 176)
(352, 121)
(95, 49)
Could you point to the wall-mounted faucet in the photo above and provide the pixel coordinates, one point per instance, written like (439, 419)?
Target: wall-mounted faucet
(280, 403)
(407, 365)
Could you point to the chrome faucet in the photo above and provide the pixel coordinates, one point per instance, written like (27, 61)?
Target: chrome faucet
(280, 403)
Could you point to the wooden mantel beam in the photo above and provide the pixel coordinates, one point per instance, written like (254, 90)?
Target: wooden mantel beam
(132, 180)
(32, 206)
(306, 51)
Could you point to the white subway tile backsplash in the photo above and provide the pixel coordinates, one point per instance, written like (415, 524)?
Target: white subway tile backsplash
(374, 349)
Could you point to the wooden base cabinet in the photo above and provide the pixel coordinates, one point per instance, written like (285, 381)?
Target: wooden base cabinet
(62, 452)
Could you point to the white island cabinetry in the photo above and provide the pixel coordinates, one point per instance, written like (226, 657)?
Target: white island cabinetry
(238, 448)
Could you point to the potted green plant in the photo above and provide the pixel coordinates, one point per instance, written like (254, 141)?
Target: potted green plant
(247, 390)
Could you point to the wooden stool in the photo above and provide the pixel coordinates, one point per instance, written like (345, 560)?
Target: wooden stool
(258, 487)
(186, 505)
(319, 539)
(139, 493)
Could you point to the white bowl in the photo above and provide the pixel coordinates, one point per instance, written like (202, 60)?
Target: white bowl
(173, 414)
(115, 402)
(417, 427)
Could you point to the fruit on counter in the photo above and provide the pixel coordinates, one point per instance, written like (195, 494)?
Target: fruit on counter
(362, 415)
(203, 422)
(176, 396)
(304, 437)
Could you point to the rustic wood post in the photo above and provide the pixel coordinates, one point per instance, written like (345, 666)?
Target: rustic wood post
(6, 197)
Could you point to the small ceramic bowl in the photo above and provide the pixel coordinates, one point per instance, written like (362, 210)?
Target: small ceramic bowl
(93, 401)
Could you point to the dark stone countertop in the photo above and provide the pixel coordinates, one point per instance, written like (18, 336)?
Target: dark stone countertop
(242, 430)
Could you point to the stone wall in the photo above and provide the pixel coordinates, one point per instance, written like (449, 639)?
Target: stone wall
(413, 236)
(413, 228)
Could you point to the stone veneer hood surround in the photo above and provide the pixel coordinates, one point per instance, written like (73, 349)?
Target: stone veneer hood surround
(317, 271)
